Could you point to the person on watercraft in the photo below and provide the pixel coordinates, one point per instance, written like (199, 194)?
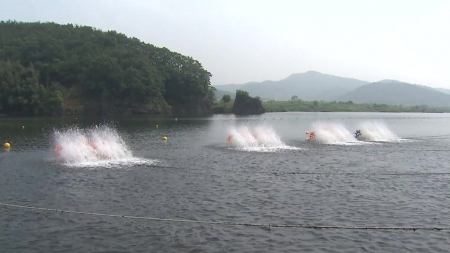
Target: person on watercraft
(229, 139)
(93, 145)
(311, 135)
(58, 149)
(357, 133)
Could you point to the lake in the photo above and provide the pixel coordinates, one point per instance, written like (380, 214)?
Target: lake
(397, 175)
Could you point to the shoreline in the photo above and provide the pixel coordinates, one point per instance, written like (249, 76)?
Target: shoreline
(161, 116)
(220, 107)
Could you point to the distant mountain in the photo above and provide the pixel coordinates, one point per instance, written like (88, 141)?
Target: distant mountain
(219, 94)
(446, 91)
(331, 93)
(308, 86)
(396, 93)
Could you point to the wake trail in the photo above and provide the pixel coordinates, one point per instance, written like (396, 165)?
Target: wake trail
(256, 139)
(93, 147)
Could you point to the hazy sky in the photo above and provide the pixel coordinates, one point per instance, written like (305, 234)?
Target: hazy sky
(249, 40)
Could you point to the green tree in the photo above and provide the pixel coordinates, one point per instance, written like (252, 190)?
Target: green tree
(294, 98)
(226, 98)
(244, 104)
(94, 67)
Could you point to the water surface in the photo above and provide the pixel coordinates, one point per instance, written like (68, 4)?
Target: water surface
(396, 177)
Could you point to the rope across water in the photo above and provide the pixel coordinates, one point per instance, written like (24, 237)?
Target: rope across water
(5, 205)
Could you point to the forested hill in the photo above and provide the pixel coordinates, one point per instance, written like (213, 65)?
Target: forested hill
(307, 86)
(397, 93)
(47, 68)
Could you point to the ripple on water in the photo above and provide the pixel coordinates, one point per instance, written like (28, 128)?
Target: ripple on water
(186, 179)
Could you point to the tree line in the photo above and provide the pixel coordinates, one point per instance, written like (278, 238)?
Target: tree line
(295, 104)
(47, 66)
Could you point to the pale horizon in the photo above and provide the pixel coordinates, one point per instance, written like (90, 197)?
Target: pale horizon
(251, 41)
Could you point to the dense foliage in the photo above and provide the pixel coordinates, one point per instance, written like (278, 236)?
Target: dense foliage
(245, 96)
(226, 98)
(244, 104)
(221, 107)
(45, 67)
(20, 90)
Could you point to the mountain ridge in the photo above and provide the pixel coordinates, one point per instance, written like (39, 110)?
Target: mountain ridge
(397, 93)
(313, 85)
(307, 86)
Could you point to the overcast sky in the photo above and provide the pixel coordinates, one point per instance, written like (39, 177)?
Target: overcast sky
(250, 40)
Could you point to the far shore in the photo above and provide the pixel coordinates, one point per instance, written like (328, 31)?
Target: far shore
(220, 107)
(159, 116)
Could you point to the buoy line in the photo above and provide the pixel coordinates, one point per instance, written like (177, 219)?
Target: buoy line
(365, 174)
(226, 223)
(337, 118)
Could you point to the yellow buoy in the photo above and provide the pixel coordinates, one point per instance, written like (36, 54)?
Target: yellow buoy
(176, 119)
(7, 145)
(165, 138)
(156, 125)
(23, 127)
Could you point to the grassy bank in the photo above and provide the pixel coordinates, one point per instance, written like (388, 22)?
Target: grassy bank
(316, 106)
(220, 107)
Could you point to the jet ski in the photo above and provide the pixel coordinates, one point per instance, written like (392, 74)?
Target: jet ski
(311, 136)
